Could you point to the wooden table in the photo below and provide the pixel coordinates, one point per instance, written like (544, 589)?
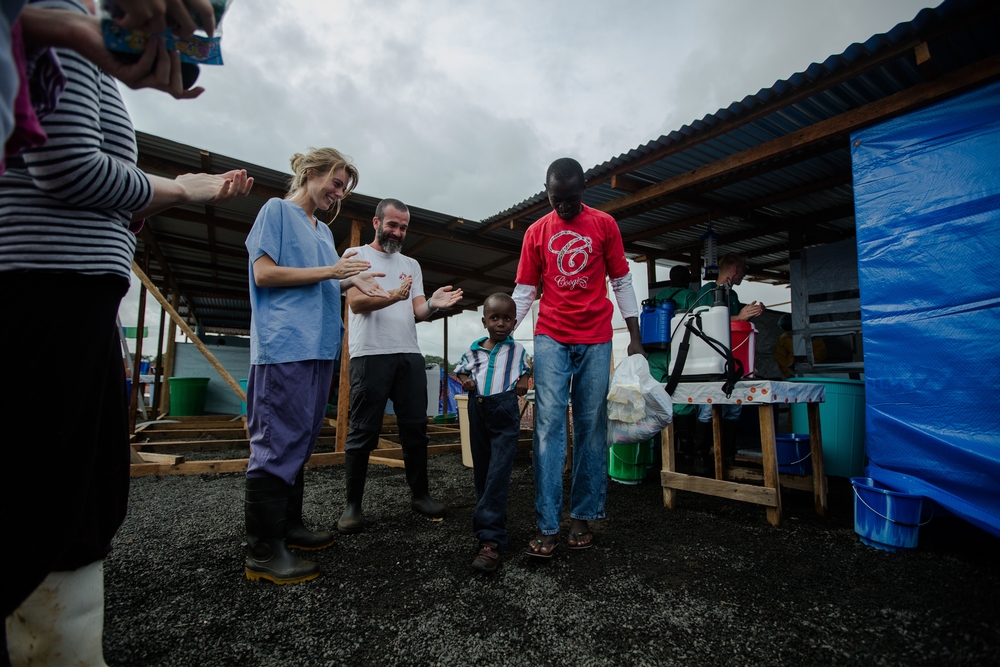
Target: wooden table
(764, 394)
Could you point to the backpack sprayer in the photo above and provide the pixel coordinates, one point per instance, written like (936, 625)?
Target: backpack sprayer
(704, 352)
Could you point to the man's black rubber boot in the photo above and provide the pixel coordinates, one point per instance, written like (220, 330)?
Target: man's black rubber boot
(355, 472)
(415, 459)
(298, 536)
(704, 462)
(266, 509)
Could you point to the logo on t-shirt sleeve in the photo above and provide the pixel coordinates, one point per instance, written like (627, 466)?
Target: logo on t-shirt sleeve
(572, 252)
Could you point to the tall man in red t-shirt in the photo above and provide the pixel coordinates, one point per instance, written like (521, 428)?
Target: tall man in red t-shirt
(569, 252)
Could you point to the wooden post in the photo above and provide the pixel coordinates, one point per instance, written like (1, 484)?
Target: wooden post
(769, 455)
(669, 464)
(443, 386)
(344, 390)
(168, 360)
(219, 368)
(816, 451)
(717, 440)
(135, 396)
(650, 271)
(158, 373)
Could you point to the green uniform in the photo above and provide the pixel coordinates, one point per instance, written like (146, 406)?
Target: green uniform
(734, 301)
(659, 360)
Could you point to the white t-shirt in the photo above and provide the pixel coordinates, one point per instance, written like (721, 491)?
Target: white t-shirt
(390, 330)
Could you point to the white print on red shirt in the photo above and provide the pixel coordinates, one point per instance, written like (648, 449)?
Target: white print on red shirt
(574, 250)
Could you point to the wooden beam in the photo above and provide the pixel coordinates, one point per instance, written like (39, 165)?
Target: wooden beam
(844, 123)
(720, 488)
(219, 368)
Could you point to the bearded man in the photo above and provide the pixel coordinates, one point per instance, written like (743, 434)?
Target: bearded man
(386, 364)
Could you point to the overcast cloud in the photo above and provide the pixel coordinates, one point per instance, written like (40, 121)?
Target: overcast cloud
(459, 106)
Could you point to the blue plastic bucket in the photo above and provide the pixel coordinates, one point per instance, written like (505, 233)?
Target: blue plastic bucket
(885, 519)
(794, 454)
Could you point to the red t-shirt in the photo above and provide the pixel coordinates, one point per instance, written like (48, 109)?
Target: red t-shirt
(571, 260)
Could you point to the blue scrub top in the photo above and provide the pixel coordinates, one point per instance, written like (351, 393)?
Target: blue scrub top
(293, 323)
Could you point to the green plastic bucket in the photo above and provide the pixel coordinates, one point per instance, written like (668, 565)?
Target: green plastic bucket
(842, 423)
(187, 396)
(628, 463)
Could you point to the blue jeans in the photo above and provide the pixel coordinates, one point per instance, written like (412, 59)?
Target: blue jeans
(589, 368)
(494, 425)
(729, 412)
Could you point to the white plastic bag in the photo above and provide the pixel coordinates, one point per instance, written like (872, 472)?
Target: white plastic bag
(638, 406)
(625, 400)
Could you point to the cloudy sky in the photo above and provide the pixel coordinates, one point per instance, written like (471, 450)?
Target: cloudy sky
(459, 106)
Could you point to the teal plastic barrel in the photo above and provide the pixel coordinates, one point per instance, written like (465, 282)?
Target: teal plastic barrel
(842, 423)
(187, 396)
(243, 404)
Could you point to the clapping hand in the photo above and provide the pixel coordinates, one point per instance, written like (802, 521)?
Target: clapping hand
(215, 189)
(402, 293)
(367, 285)
(445, 297)
(349, 265)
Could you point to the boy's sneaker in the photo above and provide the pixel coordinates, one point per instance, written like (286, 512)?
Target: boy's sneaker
(488, 559)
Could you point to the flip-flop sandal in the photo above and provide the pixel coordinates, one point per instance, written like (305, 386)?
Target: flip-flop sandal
(577, 536)
(554, 542)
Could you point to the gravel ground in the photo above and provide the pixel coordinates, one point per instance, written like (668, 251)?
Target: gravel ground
(710, 583)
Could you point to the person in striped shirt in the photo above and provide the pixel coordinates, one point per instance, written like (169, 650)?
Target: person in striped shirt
(494, 372)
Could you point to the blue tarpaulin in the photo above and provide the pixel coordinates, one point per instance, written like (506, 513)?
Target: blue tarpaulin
(927, 204)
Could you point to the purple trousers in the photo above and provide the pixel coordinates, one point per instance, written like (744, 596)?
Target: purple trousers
(286, 404)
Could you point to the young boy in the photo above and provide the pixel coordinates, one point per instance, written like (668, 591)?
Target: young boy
(494, 372)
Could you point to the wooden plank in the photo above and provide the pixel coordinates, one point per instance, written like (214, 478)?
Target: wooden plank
(206, 445)
(797, 482)
(190, 467)
(191, 445)
(381, 460)
(769, 452)
(160, 428)
(194, 434)
(397, 452)
(839, 125)
(758, 495)
(816, 451)
(168, 459)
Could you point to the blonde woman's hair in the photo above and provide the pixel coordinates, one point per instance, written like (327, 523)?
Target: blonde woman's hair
(321, 161)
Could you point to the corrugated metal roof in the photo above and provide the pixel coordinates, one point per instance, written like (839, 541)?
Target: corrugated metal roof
(958, 33)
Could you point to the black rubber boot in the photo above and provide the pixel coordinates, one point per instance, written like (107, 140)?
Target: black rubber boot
(415, 458)
(730, 440)
(298, 536)
(355, 472)
(704, 462)
(268, 557)
(684, 439)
